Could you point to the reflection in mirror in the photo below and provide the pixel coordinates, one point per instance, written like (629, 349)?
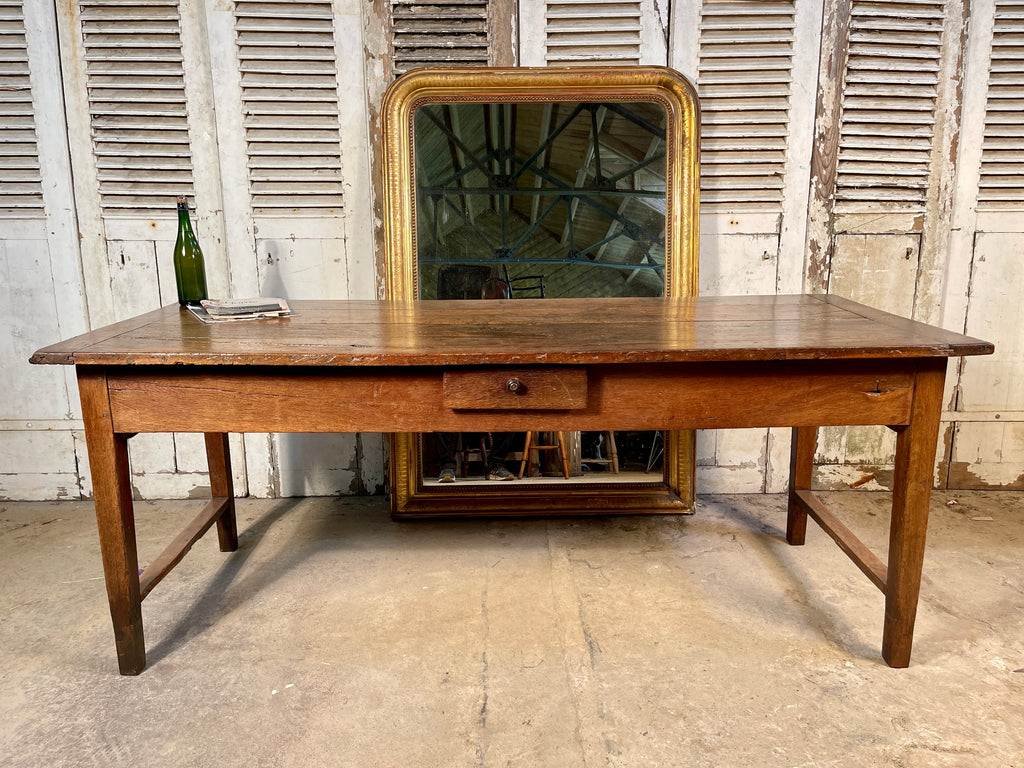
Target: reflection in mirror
(534, 200)
(557, 199)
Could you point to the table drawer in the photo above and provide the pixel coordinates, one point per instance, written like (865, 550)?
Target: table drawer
(562, 388)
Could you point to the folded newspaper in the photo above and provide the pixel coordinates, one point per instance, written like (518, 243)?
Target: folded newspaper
(220, 310)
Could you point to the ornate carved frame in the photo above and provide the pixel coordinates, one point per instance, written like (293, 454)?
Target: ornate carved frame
(409, 496)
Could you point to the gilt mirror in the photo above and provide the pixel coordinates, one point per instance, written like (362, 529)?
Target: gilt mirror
(528, 184)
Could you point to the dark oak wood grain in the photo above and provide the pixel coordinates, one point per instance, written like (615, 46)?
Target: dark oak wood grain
(175, 552)
(218, 457)
(801, 467)
(632, 397)
(911, 493)
(520, 332)
(115, 518)
(535, 388)
(549, 365)
(855, 549)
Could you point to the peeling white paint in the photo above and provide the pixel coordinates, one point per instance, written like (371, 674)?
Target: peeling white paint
(840, 476)
(79, 263)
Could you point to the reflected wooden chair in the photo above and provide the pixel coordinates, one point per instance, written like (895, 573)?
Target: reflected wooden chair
(467, 452)
(611, 454)
(530, 446)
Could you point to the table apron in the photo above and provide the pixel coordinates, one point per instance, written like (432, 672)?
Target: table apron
(411, 399)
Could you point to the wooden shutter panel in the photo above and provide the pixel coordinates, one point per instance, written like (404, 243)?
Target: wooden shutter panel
(593, 31)
(614, 32)
(289, 82)
(1002, 156)
(889, 104)
(744, 76)
(439, 32)
(136, 93)
(21, 192)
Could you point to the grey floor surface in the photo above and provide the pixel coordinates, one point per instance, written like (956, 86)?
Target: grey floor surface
(335, 637)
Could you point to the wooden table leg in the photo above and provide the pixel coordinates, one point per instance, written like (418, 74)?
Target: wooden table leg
(912, 489)
(801, 466)
(115, 517)
(218, 457)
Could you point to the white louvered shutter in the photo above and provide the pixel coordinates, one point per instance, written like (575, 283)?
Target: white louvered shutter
(432, 33)
(744, 80)
(136, 94)
(888, 118)
(21, 193)
(593, 32)
(566, 32)
(289, 91)
(1001, 184)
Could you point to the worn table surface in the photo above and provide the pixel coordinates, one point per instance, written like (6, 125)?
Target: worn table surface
(523, 331)
(358, 366)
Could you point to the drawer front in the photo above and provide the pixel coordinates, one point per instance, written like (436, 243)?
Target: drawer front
(535, 389)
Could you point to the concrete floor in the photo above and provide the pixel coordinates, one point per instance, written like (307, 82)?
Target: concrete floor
(335, 637)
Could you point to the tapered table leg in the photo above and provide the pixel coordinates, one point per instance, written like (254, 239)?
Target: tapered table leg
(115, 518)
(912, 489)
(219, 459)
(801, 466)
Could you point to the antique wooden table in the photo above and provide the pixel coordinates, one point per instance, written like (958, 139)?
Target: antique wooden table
(554, 364)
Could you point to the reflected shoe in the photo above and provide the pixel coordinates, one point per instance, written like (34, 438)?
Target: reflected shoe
(499, 473)
(446, 476)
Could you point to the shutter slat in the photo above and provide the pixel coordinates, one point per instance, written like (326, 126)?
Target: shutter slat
(438, 57)
(869, 169)
(742, 118)
(261, 93)
(294, 10)
(133, 165)
(308, 149)
(21, 190)
(854, 155)
(282, 27)
(745, 142)
(439, 26)
(126, 176)
(743, 182)
(437, 42)
(1004, 143)
(308, 205)
(597, 39)
(713, 49)
(914, 12)
(744, 128)
(279, 175)
(118, 151)
(719, 199)
(709, 156)
(154, 137)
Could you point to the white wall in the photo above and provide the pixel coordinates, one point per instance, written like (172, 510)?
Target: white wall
(79, 260)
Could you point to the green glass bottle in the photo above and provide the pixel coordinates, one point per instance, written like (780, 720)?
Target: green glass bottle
(189, 268)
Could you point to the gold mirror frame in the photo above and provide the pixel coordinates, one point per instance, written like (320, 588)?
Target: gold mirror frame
(675, 492)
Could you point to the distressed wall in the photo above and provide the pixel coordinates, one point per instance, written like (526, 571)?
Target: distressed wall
(868, 148)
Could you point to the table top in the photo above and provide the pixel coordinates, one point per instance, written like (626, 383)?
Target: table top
(520, 332)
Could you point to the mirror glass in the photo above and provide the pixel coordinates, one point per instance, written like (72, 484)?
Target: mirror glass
(535, 200)
(555, 199)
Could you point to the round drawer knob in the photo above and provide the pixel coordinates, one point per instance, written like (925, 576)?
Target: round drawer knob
(515, 386)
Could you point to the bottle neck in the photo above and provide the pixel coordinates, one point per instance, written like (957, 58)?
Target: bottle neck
(183, 220)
